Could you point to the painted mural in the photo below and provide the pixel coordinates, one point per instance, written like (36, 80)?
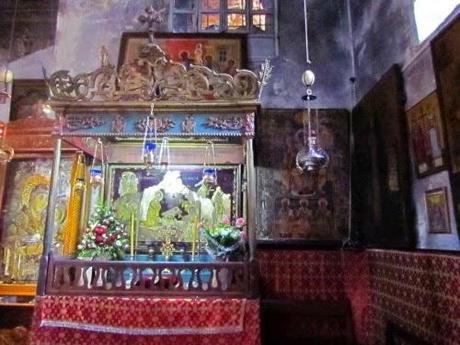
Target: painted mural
(28, 98)
(34, 27)
(223, 55)
(294, 205)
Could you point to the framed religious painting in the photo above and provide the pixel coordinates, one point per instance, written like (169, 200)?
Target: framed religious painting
(222, 54)
(24, 214)
(446, 60)
(28, 98)
(426, 135)
(437, 210)
(297, 207)
(166, 198)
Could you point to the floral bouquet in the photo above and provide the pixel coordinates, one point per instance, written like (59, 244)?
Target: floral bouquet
(224, 240)
(104, 237)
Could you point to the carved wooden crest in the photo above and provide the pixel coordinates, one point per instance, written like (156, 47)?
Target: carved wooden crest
(153, 77)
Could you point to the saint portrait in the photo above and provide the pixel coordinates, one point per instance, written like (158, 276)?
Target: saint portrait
(427, 136)
(437, 210)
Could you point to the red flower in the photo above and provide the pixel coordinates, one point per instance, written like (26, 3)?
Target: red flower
(99, 239)
(100, 230)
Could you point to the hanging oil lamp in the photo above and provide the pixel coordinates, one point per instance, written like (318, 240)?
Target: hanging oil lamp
(149, 144)
(311, 157)
(149, 155)
(95, 172)
(209, 175)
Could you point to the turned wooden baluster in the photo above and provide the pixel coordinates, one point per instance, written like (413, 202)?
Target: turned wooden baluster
(79, 278)
(214, 281)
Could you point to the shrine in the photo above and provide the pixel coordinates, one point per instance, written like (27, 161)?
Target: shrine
(228, 172)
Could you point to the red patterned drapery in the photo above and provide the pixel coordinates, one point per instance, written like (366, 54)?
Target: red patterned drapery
(68, 320)
(418, 291)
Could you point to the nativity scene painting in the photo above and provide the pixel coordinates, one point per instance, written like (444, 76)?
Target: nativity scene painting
(172, 199)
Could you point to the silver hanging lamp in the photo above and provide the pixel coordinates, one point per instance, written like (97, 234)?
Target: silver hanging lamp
(311, 157)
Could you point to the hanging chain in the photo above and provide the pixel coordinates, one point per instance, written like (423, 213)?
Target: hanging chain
(307, 50)
(317, 126)
(152, 117)
(149, 131)
(96, 147)
(164, 149)
(209, 154)
(210, 158)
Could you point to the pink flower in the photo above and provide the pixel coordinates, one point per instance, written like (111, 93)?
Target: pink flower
(226, 220)
(240, 222)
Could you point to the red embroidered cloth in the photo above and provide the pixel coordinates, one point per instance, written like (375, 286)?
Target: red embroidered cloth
(69, 320)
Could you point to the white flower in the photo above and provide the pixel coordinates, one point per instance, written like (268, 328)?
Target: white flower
(118, 243)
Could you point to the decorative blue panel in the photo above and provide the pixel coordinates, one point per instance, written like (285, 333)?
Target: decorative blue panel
(167, 124)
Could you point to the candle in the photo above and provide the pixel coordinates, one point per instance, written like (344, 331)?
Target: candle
(131, 235)
(6, 270)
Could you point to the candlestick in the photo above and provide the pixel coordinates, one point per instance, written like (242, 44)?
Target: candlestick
(131, 236)
(136, 229)
(193, 240)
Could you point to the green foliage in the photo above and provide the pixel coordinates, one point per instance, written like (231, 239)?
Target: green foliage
(224, 234)
(104, 236)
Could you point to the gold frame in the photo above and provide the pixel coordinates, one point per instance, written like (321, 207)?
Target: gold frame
(438, 192)
(22, 156)
(237, 189)
(31, 138)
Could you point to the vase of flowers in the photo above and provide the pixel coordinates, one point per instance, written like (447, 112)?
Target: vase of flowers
(104, 238)
(225, 242)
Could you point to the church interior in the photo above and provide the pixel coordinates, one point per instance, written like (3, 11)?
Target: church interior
(255, 172)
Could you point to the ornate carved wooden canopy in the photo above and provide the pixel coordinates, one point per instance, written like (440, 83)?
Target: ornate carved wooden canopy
(153, 77)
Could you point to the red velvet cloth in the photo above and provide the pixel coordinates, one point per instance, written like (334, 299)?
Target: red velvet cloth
(68, 320)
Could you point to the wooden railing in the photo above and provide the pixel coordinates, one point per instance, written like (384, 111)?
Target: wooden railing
(68, 276)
